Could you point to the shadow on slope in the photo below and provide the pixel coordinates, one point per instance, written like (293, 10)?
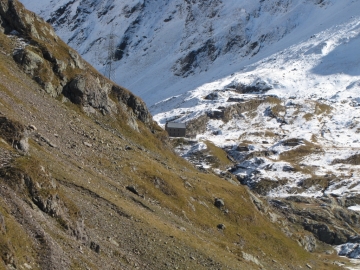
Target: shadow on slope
(343, 59)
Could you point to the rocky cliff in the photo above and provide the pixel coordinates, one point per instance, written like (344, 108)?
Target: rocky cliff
(59, 70)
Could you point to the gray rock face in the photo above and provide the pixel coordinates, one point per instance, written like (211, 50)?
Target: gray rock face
(45, 197)
(92, 92)
(85, 90)
(212, 96)
(197, 125)
(136, 104)
(40, 69)
(12, 12)
(325, 222)
(30, 60)
(323, 233)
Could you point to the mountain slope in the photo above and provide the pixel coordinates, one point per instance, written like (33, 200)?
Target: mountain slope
(88, 181)
(284, 97)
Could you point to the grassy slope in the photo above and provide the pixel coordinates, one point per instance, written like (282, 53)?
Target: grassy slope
(174, 224)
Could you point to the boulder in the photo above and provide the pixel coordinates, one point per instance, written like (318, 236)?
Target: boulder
(242, 148)
(288, 168)
(219, 203)
(95, 247)
(24, 145)
(212, 96)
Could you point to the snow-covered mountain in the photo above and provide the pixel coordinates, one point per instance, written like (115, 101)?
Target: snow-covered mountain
(168, 47)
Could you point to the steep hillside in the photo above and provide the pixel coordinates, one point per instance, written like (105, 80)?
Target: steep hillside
(88, 180)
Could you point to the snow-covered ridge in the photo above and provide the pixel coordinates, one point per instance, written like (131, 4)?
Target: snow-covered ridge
(171, 47)
(316, 87)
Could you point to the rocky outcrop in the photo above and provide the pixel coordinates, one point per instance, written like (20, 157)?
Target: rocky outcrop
(187, 65)
(29, 178)
(326, 220)
(60, 70)
(137, 106)
(327, 235)
(258, 87)
(15, 17)
(88, 91)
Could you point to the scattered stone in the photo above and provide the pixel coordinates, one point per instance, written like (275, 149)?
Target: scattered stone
(46, 140)
(219, 203)
(288, 168)
(235, 99)
(52, 145)
(293, 142)
(128, 148)
(221, 226)
(27, 266)
(212, 96)
(187, 184)
(242, 148)
(112, 241)
(87, 144)
(33, 128)
(308, 266)
(95, 247)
